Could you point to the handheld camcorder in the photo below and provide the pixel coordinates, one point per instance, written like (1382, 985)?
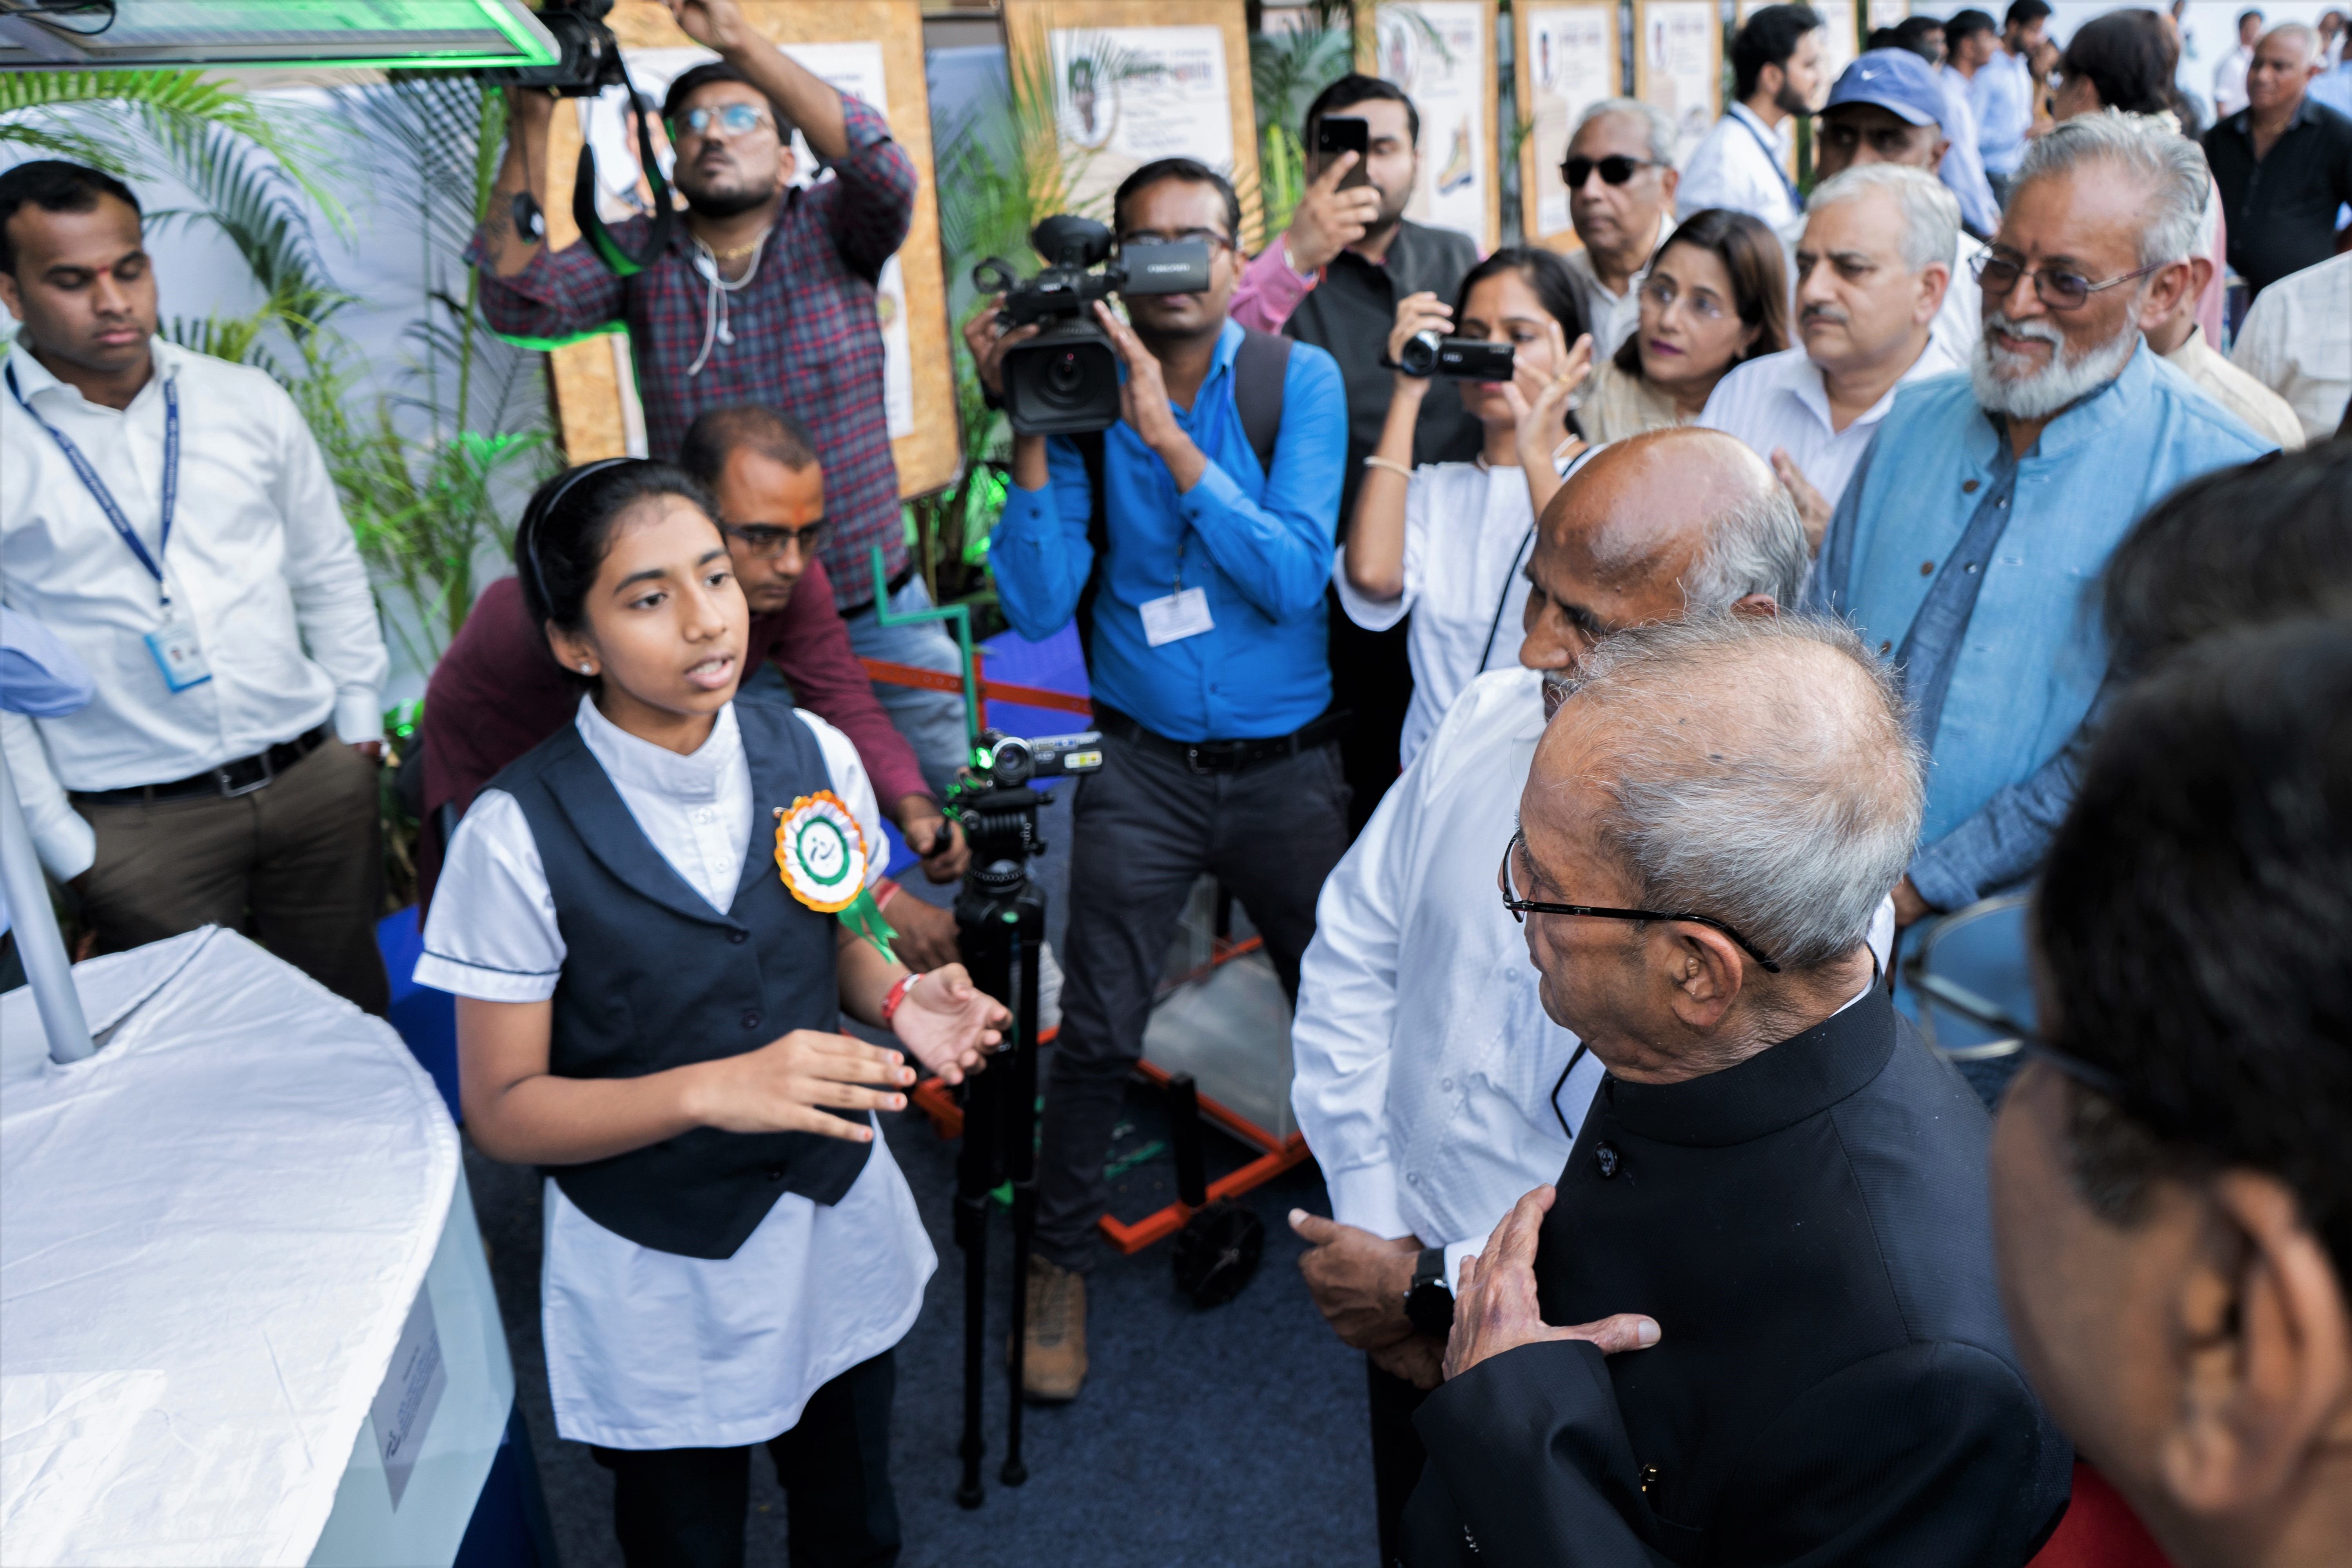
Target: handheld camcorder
(1065, 381)
(1454, 359)
(1008, 761)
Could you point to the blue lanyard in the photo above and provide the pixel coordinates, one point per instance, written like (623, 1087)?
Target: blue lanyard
(104, 497)
(1773, 156)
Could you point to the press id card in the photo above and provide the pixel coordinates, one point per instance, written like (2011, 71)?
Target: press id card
(1183, 613)
(178, 655)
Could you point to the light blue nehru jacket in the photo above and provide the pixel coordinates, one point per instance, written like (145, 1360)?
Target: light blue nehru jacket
(2028, 665)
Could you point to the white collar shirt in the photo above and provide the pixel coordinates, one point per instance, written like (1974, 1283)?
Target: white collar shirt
(2296, 339)
(1468, 531)
(1425, 1066)
(259, 563)
(1742, 164)
(1612, 317)
(2229, 82)
(648, 1349)
(1780, 402)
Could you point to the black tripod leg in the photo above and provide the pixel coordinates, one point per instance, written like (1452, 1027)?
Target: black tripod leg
(971, 1236)
(1021, 1163)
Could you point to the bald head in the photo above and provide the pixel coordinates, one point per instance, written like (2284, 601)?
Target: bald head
(1654, 528)
(1754, 769)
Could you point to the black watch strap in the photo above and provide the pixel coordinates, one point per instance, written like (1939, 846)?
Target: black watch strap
(1429, 1305)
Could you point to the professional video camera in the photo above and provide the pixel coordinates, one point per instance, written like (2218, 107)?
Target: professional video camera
(590, 62)
(1065, 381)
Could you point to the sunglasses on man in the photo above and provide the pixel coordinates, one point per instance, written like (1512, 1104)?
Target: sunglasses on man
(1616, 169)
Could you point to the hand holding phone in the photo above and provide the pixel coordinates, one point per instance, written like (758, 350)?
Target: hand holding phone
(1341, 205)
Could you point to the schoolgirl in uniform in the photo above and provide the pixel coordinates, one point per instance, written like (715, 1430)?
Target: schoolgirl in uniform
(649, 987)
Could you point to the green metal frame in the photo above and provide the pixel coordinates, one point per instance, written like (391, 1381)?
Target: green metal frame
(959, 616)
(530, 49)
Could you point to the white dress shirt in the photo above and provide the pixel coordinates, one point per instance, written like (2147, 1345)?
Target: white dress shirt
(2229, 82)
(1962, 170)
(259, 562)
(1612, 317)
(1424, 1065)
(1468, 529)
(2297, 341)
(1741, 164)
(1781, 401)
(1960, 320)
(648, 1349)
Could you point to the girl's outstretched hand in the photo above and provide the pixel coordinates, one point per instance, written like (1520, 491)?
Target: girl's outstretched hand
(948, 1023)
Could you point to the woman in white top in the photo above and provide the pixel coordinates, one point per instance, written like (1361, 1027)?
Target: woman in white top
(647, 923)
(1445, 542)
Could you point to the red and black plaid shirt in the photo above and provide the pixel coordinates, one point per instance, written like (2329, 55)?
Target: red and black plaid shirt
(806, 337)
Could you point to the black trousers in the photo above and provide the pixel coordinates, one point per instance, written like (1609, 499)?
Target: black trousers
(1397, 1453)
(1143, 830)
(683, 1508)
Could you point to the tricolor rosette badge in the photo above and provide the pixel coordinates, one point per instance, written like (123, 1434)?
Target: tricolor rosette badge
(820, 851)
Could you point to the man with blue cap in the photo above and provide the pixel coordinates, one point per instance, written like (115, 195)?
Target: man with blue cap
(1887, 108)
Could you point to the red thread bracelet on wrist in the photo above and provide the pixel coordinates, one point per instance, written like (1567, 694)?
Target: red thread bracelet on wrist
(885, 889)
(898, 994)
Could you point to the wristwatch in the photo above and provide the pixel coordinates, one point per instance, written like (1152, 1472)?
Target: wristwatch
(1428, 1304)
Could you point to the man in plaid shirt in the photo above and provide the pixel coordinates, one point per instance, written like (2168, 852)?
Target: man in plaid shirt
(764, 294)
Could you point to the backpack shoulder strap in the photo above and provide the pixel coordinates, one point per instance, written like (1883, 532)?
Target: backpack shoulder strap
(1090, 451)
(1259, 367)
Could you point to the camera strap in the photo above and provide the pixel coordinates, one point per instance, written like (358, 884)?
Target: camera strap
(618, 258)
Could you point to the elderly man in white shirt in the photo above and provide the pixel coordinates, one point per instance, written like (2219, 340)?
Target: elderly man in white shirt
(1871, 270)
(1429, 1082)
(168, 515)
(2296, 339)
(1742, 162)
(1621, 177)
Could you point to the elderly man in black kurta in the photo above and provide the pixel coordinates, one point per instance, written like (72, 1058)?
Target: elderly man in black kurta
(1772, 1232)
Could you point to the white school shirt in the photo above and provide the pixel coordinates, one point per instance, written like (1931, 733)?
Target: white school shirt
(1468, 529)
(1742, 164)
(1779, 401)
(260, 560)
(1427, 1077)
(648, 1349)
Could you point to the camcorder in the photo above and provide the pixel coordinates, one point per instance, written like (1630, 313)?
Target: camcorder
(590, 61)
(1008, 761)
(1454, 359)
(1065, 381)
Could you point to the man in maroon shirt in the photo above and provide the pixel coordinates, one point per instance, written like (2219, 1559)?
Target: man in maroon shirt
(496, 692)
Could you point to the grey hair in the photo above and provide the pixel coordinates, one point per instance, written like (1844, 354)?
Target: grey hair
(2170, 165)
(1757, 547)
(2307, 36)
(1931, 214)
(1762, 772)
(1660, 124)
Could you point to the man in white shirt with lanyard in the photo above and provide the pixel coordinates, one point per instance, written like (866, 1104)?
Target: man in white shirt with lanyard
(1872, 269)
(168, 515)
(1429, 1083)
(1742, 163)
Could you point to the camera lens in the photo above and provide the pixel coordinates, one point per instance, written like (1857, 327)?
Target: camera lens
(1065, 373)
(1419, 354)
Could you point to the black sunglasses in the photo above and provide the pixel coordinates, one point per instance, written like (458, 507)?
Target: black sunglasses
(1522, 907)
(1616, 169)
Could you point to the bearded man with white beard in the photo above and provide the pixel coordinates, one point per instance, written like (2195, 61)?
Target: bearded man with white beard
(1968, 541)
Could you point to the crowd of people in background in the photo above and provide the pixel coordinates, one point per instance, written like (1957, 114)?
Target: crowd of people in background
(1591, 749)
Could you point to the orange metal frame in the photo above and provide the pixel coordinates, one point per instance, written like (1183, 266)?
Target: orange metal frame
(931, 1097)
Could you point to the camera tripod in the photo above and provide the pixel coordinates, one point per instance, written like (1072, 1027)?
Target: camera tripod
(1000, 927)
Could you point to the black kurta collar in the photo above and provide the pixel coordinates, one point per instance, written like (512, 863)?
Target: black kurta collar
(1777, 1087)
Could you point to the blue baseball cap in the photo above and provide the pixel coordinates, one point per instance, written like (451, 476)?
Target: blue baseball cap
(1896, 80)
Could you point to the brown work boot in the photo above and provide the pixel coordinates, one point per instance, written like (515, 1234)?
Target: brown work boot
(1054, 1364)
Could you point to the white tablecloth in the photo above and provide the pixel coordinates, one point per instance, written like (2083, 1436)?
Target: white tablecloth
(211, 1234)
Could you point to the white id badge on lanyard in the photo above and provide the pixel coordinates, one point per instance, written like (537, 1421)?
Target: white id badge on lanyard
(177, 653)
(1183, 613)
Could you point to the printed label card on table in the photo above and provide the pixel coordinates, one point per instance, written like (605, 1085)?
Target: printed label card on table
(1568, 59)
(1441, 53)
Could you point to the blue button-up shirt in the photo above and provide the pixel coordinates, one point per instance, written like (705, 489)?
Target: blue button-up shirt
(2013, 678)
(1259, 544)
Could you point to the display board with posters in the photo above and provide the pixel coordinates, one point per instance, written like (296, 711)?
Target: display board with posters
(1886, 13)
(871, 48)
(1442, 52)
(1138, 81)
(1567, 59)
(1678, 65)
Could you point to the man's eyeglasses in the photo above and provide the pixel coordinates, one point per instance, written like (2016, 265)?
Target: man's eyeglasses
(734, 119)
(764, 541)
(2057, 289)
(1522, 907)
(1616, 169)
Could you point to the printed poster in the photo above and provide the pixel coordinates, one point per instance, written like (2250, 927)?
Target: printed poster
(852, 68)
(1440, 52)
(1674, 60)
(1887, 12)
(1571, 59)
(1130, 95)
